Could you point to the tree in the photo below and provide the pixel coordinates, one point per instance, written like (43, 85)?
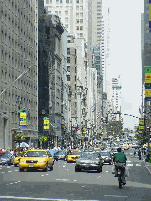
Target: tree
(43, 139)
(19, 138)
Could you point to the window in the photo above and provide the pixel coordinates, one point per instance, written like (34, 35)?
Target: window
(81, 14)
(81, 34)
(47, 1)
(81, 20)
(56, 12)
(81, 8)
(68, 77)
(60, 1)
(59, 12)
(77, 21)
(77, 1)
(68, 50)
(66, 20)
(98, 28)
(81, 27)
(98, 6)
(66, 25)
(67, 1)
(68, 59)
(77, 7)
(77, 27)
(75, 60)
(98, 13)
(68, 68)
(98, 2)
(57, 1)
(77, 14)
(98, 17)
(66, 12)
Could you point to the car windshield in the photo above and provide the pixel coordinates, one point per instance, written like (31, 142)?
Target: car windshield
(104, 154)
(74, 153)
(20, 154)
(36, 154)
(5, 155)
(89, 155)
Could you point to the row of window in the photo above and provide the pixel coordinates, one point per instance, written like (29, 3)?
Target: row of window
(79, 28)
(79, 8)
(79, 15)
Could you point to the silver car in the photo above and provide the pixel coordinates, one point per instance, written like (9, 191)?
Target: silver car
(89, 161)
(6, 158)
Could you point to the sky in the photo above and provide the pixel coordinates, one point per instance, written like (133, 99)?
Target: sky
(125, 54)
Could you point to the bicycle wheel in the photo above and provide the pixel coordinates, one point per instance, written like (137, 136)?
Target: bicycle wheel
(120, 181)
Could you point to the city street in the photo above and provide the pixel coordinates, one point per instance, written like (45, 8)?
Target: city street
(63, 183)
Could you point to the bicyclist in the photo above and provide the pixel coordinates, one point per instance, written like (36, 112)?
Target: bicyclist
(119, 160)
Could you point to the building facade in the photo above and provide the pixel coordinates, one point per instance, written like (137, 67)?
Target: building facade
(19, 69)
(50, 77)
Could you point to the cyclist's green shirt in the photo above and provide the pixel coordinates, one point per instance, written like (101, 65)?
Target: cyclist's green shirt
(120, 157)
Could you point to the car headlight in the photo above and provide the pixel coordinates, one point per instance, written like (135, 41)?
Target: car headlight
(22, 161)
(41, 161)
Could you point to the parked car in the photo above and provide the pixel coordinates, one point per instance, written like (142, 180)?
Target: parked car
(36, 159)
(6, 158)
(106, 156)
(89, 161)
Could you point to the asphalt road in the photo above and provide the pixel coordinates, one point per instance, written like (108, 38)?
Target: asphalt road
(63, 183)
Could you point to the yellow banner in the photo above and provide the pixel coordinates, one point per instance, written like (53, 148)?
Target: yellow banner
(141, 127)
(147, 77)
(22, 115)
(46, 127)
(140, 131)
(149, 12)
(147, 92)
(141, 122)
(23, 122)
(46, 121)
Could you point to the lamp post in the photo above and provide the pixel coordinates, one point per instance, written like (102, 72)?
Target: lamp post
(19, 102)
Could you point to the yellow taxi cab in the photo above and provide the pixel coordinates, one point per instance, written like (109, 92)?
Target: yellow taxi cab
(18, 157)
(126, 147)
(36, 159)
(73, 156)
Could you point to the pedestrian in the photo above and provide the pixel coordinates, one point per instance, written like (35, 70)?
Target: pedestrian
(134, 152)
(139, 154)
(145, 152)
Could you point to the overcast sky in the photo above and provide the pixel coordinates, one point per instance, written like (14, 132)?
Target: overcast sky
(125, 53)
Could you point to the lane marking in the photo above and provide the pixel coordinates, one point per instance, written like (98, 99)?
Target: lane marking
(128, 161)
(129, 164)
(62, 179)
(9, 171)
(138, 164)
(115, 196)
(31, 198)
(42, 175)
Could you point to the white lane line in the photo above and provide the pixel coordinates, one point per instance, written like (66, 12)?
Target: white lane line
(2, 172)
(129, 164)
(30, 198)
(15, 182)
(42, 175)
(47, 174)
(19, 181)
(128, 161)
(11, 183)
(115, 196)
(106, 171)
(138, 164)
(16, 170)
(62, 179)
(9, 171)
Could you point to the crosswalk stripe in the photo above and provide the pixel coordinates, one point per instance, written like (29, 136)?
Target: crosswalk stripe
(129, 164)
